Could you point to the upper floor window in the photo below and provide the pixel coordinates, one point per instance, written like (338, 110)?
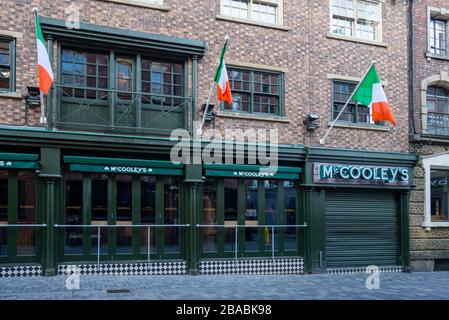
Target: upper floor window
(255, 91)
(265, 11)
(437, 36)
(354, 111)
(356, 18)
(439, 195)
(437, 110)
(7, 64)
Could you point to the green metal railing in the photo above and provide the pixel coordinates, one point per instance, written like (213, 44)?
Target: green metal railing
(120, 110)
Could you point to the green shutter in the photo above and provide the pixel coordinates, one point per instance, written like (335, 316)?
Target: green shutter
(361, 228)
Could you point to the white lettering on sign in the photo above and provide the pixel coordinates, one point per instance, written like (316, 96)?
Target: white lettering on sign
(128, 169)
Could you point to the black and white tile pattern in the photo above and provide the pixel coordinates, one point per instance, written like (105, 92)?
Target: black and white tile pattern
(252, 266)
(154, 268)
(356, 270)
(20, 271)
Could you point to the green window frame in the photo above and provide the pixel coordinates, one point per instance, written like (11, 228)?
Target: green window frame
(255, 91)
(354, 111)
(7, 64)
(162, 246)
(20, 205)
(228, 197)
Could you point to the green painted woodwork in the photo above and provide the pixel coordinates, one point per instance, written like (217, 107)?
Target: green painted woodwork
(361, 228)
(19, 157)
(121, 162)
(251, 172)
(126, 170)
(18, 165)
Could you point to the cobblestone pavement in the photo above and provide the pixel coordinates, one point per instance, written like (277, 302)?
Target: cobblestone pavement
(239, 287)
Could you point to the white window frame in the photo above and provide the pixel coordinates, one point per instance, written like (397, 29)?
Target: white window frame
(158, 4)
(354, 36)
(279, 11)
(437, 161)
(439, 14)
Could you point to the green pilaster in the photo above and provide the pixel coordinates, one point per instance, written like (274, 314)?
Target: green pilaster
(193, 173)
(405, 229)
(50, 172)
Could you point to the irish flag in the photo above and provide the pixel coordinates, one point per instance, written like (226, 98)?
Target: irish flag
(43, 61)
(371, 94)
(221, 79)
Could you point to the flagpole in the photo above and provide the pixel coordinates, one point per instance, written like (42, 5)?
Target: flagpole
(200, 130)
(346, 104)
(42, 118)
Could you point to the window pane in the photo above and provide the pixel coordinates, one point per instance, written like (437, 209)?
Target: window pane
(439, 195)
(99, 213)
(5, 66)
(210, 215)
(437, 36)
(271, 214)
(230, 212)
(437, 111)
(74, 215)
(26, 237)
(124, 213)
(147, 212)
(3, 212)
(251, 197)
(290, 193)
(171, 214)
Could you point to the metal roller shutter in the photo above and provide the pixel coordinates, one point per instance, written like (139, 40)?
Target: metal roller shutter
(361, 228)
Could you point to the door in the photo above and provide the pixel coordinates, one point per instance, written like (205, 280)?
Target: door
(129, 202)
(361, 228)
(126, 98)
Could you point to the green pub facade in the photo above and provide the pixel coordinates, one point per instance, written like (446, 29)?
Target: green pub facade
(95, 187)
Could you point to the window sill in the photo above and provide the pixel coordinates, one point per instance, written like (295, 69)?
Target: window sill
(12, 95)
(436, 56)
(254, 23)
(429, 225)
(138, 3)
(359, 126)
(346, 38)
(237, 115)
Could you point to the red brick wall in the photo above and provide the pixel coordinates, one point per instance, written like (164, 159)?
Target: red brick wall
(305, 50)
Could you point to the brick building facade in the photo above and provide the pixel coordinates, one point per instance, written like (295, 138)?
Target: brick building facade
(137, 69)
(429, 138)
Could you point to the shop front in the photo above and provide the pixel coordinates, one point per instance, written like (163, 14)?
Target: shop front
(250, 220)
(359, 210)
(119, 210)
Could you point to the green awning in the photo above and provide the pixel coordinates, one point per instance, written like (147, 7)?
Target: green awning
(123, 166)
(251, 171)
(19, 161)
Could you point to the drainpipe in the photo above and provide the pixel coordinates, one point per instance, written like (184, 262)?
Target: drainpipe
(412, 128)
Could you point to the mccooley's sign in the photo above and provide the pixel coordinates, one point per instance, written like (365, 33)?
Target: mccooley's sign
(359, 174)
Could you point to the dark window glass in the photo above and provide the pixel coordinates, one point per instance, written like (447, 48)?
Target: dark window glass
(74, 215)
(210, 215)
(84, 74)
(437, 111)
(230, 212)
(6, 65)
(251, 198)
(354, 111)
(271, 213)
(437, 36)
(290, 194)
(3, 212)
(147, 212)
(162, 81)
(124, 213)
(99, 213)
(26, 237)
(254, 91)
(125, 78)
(171, 214)
(439, 195)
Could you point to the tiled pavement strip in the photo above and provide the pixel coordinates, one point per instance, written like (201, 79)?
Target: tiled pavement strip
(231, 287)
